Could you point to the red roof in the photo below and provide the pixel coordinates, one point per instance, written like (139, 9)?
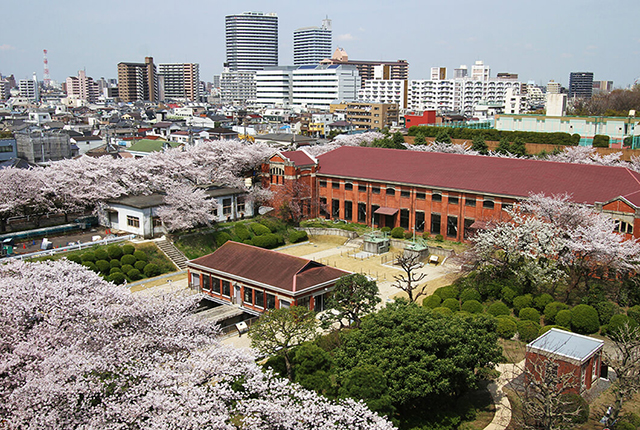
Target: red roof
(270, 268)
(489, 175)
(299, 158)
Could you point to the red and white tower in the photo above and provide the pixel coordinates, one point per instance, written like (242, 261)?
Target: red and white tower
(46, 77)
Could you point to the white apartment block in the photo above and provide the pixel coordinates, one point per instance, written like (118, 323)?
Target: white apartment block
(311, 45)
(274, 86)
(82, 87)
(237, 87)
(29, 88)
(384, 91)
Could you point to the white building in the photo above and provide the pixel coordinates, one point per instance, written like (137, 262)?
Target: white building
(237, 87)
(480, 71)
(554, 87)
(29, 88)
(82, 87)
(384, 91)
(252, 40)
(312, 44)
(274, 86)
(181, 81)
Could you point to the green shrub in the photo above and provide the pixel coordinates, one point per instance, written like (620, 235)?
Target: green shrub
(632, 418)
(426, 235)
(103, 266)
(439, 238)
(128, 249)
(115, 270)
(563, 318)
(571, 403)
(530, 314)
(222, 237)
(242, 232)
(432, 301)
(298, 236)
(600, 141)
(265, 241)
(126, 267)
(634, 313)
(115, 252)
(273, 224)
(151, 270)
(506, 328)
(140, 265)
(259, 229)
(408, 235)
(470, 294)
(508, 294)
(447, 292)
(101, 254)
(128, 259)
(88, 256)
(551, 310)
(279, 239)
(625, 425)
(386, 229)
(443, 311)
(134, 274)
(521, 302)
(141, 255)
(116, 278)
(527, 330)
(473, 307)
(397, 233)
(452, 304)
(541, 301)
(606, 310)
(546, 328)
(115, 263)
(90, 265)
(499, 308)
(584, 319)
(75, 258)
(617, 322)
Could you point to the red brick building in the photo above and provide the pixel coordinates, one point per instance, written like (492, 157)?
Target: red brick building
(258, 279)
(428, 117)
(448, 194)
(567, 354)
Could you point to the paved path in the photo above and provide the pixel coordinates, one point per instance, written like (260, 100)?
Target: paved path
(502, 417)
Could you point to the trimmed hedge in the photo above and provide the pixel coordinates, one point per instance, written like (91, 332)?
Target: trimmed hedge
(221, 238)
(397, 233)
(128, 249)
(140, 255)
(530, 314)
(617, 322)
(432, 301)
(521, 302)
(634, 313)
(242, 232)
(140, 265)
(298, 236)
(115, 263)
(473, 307)
(134, 274)
(103, 266)
(88, 256)
(452, 304)
(606, 310)
(508, 294)
(448, 292)
(470, 294)
(259, 229)
(506, 327)
(115, 270)
(563, 318)
(116, 278)
(571, 403)
(584, 319)
(546, 328)
(126, 267)
(498, 308)
(528, 330)
(552, 309)
(151, 270)
(75, 258)
(101, 254)
(115, 252)
(556, 138)
(91, 265)
(541, 301)
(443, 311)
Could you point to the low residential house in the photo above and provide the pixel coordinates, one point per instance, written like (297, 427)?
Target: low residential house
(565, 353)
(144, 147)
(257, 279)
(284, 140)
(86, 143)
(339, 126)
(138, 214)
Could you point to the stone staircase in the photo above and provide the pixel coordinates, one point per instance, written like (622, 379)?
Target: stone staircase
(173, 253)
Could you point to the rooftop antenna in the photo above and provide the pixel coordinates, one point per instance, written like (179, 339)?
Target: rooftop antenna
(46, 77)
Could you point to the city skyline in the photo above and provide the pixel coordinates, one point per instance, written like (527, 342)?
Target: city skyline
(539, 43)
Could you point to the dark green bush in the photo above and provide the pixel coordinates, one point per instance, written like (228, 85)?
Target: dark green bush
(126, 267)
(265, 241)
(101, 254)
(134, 274)
(116, 278)
(632, 418)
(521, 302)
(473, 307)
(128, 259)
(273, 224)
(571, 403)
(221, 238)
(259, 229)
(114, 251)
(499, 308)
(625, 425)
(541, 301)
(452, 304)
(397, 233)
(103, 266)
(508, 294)
(530, 314)
(426, 235)
(242, 232)
(90, 265)
(75, 258)
(506, 328)
(470, 294)
(298, 236)
(151, 270)
(432, 301)
(584, 319)
(140, 255)
(563, 318)
(88, 256)
(606, 310)
(115, 270)
(115, 263)
(552, 309)
(443, 311)
(527, 330)
(128, 249)
(447, 292)
(140, 265)
(408, 235)
(385, 229)
(439, 238)
(617, 322)
(600, 141)
(634, 313)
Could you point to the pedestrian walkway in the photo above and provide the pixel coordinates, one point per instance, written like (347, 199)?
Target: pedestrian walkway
(508, 372)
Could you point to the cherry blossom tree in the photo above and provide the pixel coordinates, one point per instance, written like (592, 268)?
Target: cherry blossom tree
(78, 352)
(186, 207)
(450, 148)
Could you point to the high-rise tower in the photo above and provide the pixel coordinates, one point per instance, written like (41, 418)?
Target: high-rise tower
(312, 44)
(181, 80)
(138, 81)
(252, 40)
(581, 84)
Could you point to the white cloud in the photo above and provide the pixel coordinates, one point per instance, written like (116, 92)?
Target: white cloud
(348, 36)
(6, 47)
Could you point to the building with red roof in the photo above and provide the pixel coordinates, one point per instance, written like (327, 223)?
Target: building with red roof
(258, 279)
(450, 194)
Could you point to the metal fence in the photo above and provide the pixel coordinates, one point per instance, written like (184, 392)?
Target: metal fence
(76, 247)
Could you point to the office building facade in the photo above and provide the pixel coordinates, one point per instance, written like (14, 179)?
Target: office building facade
(252, 41)
(311, 45)
(581, 85)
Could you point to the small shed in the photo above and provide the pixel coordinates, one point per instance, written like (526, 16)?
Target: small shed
(569, 353)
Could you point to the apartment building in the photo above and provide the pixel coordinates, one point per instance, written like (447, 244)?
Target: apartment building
(311, 45)
(368, 116)
(251, 41)
(395, 70)
(385, 91)
(83, 87)
(138, 81)
(181, 81)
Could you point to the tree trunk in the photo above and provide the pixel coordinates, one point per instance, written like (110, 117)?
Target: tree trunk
(287, 362)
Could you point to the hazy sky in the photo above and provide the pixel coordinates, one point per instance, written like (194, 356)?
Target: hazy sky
(539, 40)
